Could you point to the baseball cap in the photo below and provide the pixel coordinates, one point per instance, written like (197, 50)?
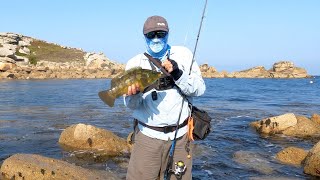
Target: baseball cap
(155, 23)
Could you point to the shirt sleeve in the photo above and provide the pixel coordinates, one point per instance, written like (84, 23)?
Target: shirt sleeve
(190, 84)
(193, 84)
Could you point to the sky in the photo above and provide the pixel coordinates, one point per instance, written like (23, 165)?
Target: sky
(235, 34)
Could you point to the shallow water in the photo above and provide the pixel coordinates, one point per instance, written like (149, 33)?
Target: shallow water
(34, 113)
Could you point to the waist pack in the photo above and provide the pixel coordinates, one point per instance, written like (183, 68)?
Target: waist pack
(201, 123)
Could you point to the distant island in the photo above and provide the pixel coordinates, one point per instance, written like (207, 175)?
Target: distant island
(23, 57)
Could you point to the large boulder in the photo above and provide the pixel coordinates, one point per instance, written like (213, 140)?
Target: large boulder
(93, 139)
(315, 118)
(312, 161)
(292, 155)
(304, 128)
(6, 66)
(31, 166)
(276, 124)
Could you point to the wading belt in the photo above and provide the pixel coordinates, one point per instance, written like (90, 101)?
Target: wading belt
(165, 129)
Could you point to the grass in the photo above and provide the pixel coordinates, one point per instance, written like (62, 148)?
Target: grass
(41, 50)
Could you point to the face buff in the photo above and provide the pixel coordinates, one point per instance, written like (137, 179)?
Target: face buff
(157, 47)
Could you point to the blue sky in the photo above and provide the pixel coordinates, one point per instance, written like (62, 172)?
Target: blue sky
(236, 34)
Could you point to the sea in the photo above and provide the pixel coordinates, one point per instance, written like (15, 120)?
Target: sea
(33, 113)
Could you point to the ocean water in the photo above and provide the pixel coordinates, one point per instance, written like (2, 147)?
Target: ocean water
(33, 114)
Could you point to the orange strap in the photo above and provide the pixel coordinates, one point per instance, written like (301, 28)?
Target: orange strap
(190, 128)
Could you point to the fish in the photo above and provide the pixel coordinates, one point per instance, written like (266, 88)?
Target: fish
(120, 83)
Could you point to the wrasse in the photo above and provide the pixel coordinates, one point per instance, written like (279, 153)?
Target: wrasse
(120, 83)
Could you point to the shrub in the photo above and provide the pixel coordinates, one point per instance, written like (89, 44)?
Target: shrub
(32, 59)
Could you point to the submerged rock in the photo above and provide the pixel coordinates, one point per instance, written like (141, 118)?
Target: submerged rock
(31, 166)
(89, 138)
(292, 155)
(254, 161)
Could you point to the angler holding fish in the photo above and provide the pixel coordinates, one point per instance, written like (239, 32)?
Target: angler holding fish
(159, 106)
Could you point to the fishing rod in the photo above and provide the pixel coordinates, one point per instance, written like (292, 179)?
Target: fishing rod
(195, 46)
(173, 145)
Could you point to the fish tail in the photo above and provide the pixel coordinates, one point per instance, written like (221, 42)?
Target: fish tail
(107, 97)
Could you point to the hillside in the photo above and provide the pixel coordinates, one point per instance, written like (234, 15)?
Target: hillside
(23, 57)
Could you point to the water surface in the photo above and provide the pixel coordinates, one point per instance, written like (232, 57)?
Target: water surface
(33, 114)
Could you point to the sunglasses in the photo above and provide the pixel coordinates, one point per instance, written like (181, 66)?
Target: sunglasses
(153, 34)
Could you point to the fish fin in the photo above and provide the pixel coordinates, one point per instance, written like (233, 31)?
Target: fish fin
(107, 97)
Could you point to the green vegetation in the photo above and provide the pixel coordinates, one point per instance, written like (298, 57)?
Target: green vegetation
(19, 53)
(41, 50)
(32, 59)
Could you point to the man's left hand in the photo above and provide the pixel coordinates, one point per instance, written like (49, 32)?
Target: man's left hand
(167, 64)
(172, 67)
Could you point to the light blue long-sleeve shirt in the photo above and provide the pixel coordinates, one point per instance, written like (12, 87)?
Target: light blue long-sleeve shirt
(165, 110)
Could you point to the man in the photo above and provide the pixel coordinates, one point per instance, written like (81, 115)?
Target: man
(158, 107)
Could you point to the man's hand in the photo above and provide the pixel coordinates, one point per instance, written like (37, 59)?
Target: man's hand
(133, 89)
(167, 64)
(172, 67)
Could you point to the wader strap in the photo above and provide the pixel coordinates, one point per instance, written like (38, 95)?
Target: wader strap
(157, 63)
(165, 129)
(163, 83)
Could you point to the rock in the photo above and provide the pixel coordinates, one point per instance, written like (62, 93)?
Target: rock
(255, 72)
(31, 166)
(24, 43)
(312, 161)
(283, 66)
(7, 75)
(276, 124)
(292, 155)
(6, 66)
(24, 50)
(316, 118)
(254, 161)
(87, 137)
(304, 128)
(207, 68)
(7, 60)
(4, 52)
(273, 178)
(89, 57)
(286, 69)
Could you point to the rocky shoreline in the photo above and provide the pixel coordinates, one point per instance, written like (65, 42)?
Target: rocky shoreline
(23, 57)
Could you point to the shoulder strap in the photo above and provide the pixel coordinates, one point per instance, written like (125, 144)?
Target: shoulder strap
(157, 64)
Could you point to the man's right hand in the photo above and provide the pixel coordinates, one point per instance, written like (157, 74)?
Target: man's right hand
(133, 89)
